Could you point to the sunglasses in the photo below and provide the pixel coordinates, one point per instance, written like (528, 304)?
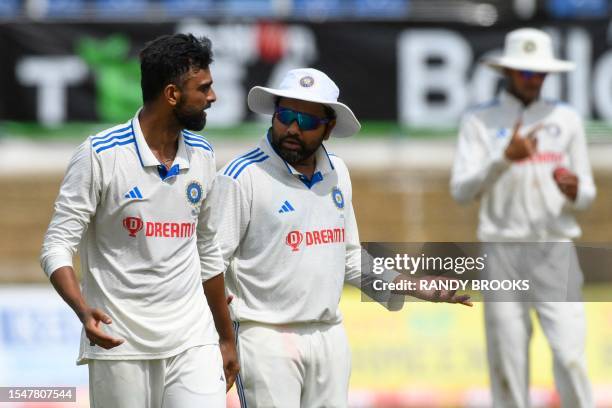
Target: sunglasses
(531, 74)
(305, 121)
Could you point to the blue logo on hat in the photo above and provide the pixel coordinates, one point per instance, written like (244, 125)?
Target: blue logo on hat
(337, 197)
(194, 192)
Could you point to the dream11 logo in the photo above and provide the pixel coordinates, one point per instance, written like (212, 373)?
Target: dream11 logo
(294, 239)
(133, 225)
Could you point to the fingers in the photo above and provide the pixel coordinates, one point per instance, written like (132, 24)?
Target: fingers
(531, 140)
(532, 133)
(568, 178)
(99, 338)
(229, 299)
(231, 371)
(517, 127)
(96, 335)
(101, 316)
(450, 296)
(463, 299)
(532, 145)
(229, 381)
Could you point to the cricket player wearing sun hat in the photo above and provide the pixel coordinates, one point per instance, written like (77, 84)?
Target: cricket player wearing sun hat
(525, 159)
(288, 235)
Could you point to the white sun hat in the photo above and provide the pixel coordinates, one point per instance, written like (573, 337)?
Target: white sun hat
(530, 50)
(306, 84)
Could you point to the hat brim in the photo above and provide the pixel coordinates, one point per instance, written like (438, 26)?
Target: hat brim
(545, 66)
(262, 100)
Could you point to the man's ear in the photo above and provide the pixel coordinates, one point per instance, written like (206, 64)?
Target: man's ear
(330, 126)
(172, 94)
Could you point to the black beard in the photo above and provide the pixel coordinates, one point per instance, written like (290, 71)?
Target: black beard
(292, 156)
(190, 120)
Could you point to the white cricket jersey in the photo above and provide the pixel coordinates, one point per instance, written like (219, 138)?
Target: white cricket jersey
(290, 243)
(520, 200)
(144, 238)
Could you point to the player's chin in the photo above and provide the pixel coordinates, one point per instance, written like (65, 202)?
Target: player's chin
(197, 125)
(291, 156)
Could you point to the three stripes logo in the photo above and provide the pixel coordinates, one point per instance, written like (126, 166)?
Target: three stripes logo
(133, 193)
(287, 207)
(238, 165)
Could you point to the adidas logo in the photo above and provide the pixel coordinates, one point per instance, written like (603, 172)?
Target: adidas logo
(286, 208)
(133, 193)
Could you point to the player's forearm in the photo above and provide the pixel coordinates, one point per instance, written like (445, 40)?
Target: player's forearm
(66, 284)
(214, 289)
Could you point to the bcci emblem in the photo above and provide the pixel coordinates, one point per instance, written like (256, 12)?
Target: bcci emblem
(194, 192)
(529, 47)
(307, 81)
(294, 239)
(337, 197)
(552, 129)
(133, 225)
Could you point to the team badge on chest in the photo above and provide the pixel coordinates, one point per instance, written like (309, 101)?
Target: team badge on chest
(194, 192)
(337, 197)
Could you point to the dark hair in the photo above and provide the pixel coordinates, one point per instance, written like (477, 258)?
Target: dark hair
(329, 112)
(167, 58)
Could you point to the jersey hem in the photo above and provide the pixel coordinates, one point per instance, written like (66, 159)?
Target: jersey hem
(86, 356)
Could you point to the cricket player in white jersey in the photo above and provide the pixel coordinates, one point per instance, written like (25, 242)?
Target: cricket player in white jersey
(288, 233)
(134, 200)
(526, 159)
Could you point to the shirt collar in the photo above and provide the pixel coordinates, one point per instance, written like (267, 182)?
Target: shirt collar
(506, 98)
(324, 164)
(146, 156)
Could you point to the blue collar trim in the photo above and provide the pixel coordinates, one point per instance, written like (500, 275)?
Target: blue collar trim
(136, 141)
(165, 173)
(316, 177)
(328, 158)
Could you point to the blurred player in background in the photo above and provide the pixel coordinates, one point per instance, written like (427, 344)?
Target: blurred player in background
(525, 159)
(134, 198)
(288, 233)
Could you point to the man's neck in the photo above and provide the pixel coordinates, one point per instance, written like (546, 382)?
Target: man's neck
(307, 167)
(161, 133)
(525, 101)
(159, 130)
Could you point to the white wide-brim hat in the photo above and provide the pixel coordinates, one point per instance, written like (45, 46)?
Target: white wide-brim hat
(306, 84)
(529, 49)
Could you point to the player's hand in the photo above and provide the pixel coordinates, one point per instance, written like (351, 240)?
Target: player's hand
(567, 182)
(443, 296)
(230, 362)
(91, 319)
(521, 148)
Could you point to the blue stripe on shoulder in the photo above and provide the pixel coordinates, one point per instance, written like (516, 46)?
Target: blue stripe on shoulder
(232, 166)
(112, 132)
(239, 162)
(248, 163)
(115, 136)
(558, 102)
(484, 105)
(116, 143)
(197, 144)
(196, 138)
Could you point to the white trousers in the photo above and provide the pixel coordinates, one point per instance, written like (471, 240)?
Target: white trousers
(299, 365)
(509, 325)
(193, 378)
